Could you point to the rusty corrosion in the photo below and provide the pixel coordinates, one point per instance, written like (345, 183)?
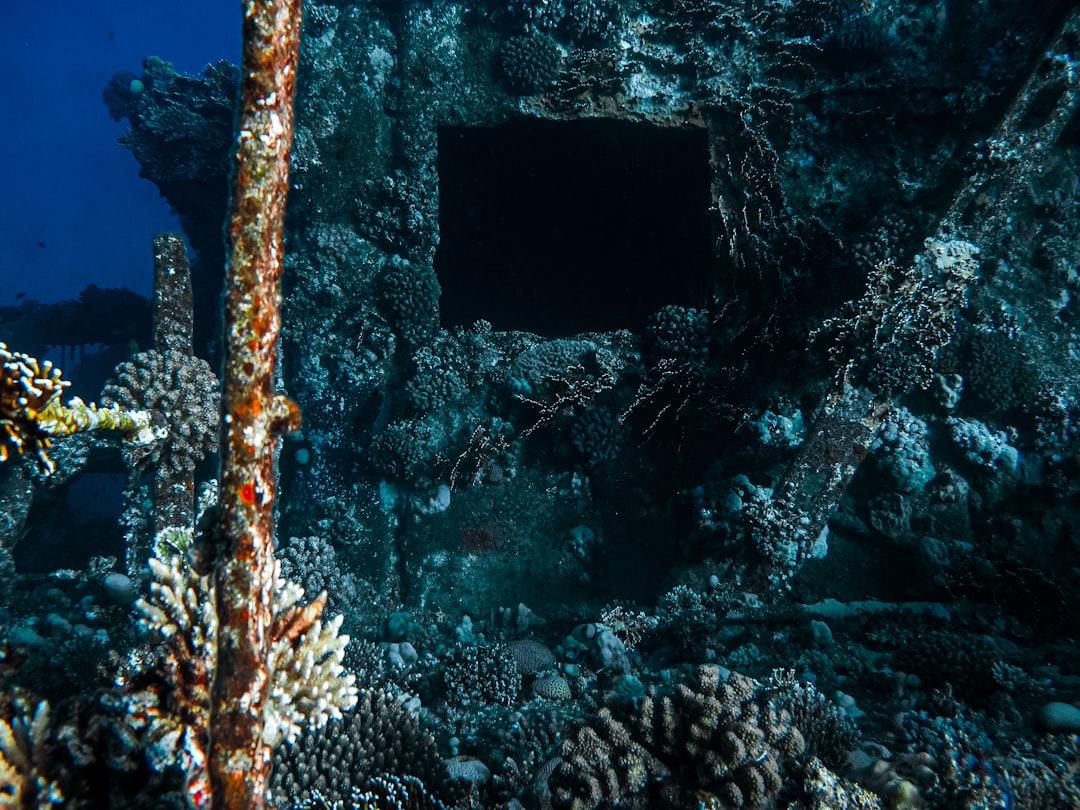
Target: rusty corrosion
(252, 413)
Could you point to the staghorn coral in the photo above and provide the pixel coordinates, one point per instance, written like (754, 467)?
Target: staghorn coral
(180, 390)
(31, 414)
(378, 736)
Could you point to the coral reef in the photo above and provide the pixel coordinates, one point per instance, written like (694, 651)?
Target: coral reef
(475, 676)
(409, 294)
(25, 756)
(726, 732)
(602, 765)
(795, 527)
(307, 683)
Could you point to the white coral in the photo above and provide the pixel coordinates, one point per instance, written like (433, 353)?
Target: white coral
(181, 601)
(308, 684)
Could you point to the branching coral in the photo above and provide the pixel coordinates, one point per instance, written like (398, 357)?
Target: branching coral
(308, 685)
(379, 736)
(474, 675)
(602, 765)
(409, 294)
(24, 758)
(31, 414)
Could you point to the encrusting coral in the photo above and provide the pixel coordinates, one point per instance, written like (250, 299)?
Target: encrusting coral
(31, 414)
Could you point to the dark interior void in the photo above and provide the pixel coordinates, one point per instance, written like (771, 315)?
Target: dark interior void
(561, 227)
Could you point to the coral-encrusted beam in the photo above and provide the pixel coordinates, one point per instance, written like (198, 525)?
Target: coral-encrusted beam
(253, 416)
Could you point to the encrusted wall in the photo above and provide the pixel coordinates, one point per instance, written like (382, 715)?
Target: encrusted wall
(454, 463)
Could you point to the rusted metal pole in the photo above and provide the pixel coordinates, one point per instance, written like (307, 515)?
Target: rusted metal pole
(253, 416)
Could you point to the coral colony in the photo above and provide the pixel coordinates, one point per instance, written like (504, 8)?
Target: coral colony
(641, 404)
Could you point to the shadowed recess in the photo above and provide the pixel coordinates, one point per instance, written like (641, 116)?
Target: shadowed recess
(559, 228)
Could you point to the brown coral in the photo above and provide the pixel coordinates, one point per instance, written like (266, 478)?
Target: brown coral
(725, 733)
(182, 392)
(602, 765)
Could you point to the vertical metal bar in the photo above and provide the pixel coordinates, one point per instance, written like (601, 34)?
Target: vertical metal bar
(253, 416)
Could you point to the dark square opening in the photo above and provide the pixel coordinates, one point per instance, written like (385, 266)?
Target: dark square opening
(563, 227)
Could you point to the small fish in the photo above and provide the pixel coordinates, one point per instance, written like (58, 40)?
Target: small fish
(19, 295)
(40, 244)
